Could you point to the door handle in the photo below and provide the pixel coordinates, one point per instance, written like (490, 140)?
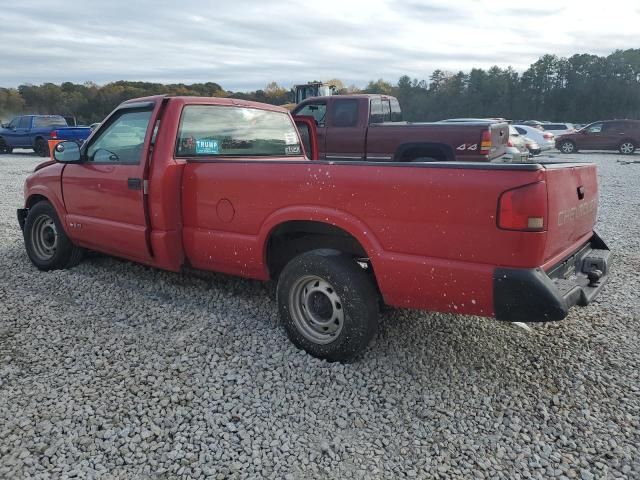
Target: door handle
(134, 183)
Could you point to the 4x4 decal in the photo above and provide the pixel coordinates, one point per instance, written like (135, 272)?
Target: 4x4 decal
(469, 146)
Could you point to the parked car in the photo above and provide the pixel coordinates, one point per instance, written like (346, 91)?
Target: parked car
(545, 140)
(516, 151)
(533, 123)
(230, 189)
(370, 127)
(34, 131)
(621, 135)
(532, 146)
(559, 128)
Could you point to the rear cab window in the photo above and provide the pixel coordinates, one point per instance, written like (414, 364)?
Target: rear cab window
(396, 112)
(376, 115)
(49, 121)
(230, 131)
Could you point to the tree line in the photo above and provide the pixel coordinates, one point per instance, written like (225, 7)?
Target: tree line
(581, 88)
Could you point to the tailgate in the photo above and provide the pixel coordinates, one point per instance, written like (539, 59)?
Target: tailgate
(572, 192)
(499, 137)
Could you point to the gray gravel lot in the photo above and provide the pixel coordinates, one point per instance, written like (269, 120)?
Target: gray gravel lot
(115, 370)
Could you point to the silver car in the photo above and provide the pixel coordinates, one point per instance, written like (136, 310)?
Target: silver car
(546, 140)
(517, 151)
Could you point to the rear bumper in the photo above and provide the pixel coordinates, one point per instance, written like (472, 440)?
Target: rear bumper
(535, 295)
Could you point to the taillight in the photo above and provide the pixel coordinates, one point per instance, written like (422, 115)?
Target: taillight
(524, 208)
(485, 142)
(548, 136)
(54, 135)
(509, 143)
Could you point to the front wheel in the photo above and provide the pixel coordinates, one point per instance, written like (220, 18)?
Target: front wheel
(627, 148)
(328, 304)
(568, 147)
(47, 245)
(41, 147)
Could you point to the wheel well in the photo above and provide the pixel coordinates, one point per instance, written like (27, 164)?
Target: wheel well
(33, 199)
(439, 152)
(292, 238)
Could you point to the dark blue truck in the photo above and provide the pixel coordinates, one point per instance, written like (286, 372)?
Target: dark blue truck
(34, 131)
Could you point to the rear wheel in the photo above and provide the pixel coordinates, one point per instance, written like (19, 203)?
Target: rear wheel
(41, 147)
(47, 245)
(568, 147)
(328, 304)
(627, 147)
(4, 148)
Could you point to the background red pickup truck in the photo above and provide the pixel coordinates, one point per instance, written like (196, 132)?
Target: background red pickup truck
(224, 185)
(370, 127)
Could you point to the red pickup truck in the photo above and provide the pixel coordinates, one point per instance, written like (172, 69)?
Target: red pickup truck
(225, 185)
(370, 127)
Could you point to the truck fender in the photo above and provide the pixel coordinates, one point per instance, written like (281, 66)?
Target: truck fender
(343, 220)
(42, 192)
(438, 151)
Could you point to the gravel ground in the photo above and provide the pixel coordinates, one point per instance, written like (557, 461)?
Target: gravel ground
(115, 370)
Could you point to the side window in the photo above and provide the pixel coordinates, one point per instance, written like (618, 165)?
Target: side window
(227, 131)
(345, 113)
(315, 110)
(521, 130)
(614, 127)
(25, 122)
(386, 110)
(376, 111)
(396, 113)
(122, 140)
(595, 128)
(15, 122)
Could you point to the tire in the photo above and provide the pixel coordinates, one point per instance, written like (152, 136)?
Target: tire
(41, 147)
(328, 304)
(627, 147)
(47, 245)
(4, 148)
(567, 147)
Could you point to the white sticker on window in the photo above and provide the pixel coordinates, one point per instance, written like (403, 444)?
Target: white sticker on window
(290, 138)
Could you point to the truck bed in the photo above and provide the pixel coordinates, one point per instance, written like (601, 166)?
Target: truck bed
(436, 221)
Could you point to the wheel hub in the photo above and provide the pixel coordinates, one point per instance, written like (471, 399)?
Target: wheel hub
(44, 237)
(316, 309)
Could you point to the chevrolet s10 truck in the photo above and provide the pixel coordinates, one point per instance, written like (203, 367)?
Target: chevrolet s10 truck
(370, 127)
(225, 185)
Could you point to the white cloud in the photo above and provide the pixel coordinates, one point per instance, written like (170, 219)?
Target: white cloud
(245, 44)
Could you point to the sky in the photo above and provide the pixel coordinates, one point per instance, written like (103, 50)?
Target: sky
(244, 44)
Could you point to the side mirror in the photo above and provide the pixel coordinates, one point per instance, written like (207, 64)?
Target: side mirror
(67, 152)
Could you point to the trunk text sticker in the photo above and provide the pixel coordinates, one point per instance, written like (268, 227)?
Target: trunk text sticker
(292, 149)
(207, 147)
